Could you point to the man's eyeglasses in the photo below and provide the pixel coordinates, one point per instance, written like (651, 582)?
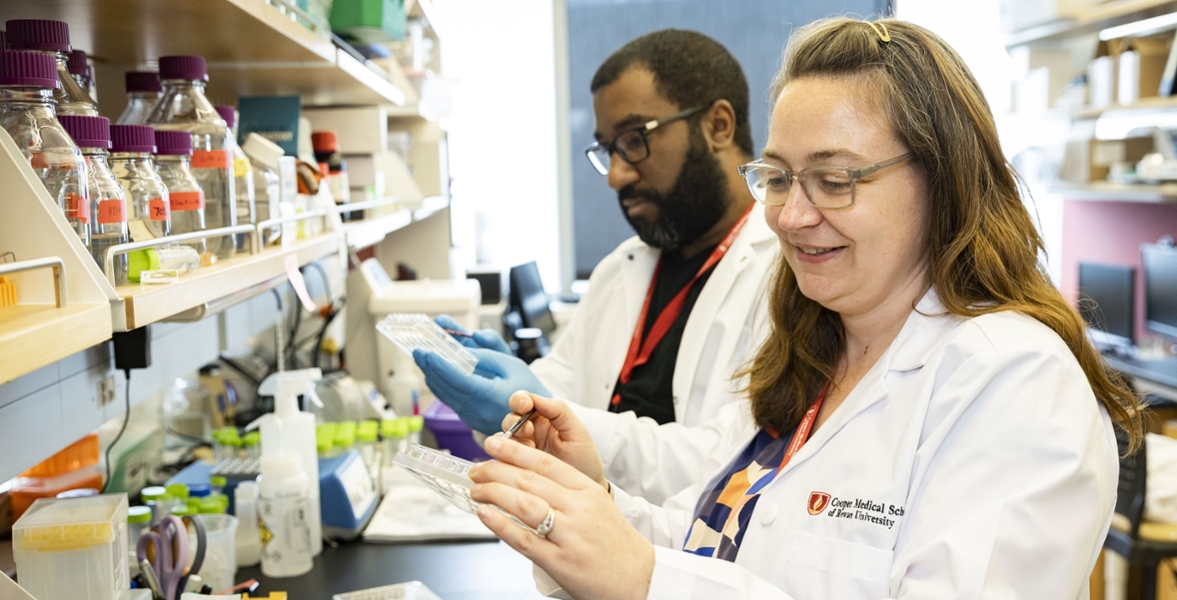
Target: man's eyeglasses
(826, 187)
(632, 146)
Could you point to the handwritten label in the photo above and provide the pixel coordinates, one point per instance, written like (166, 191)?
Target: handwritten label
(39, 160)
(182, 201)
(158, 210)
(77, 208)
(210, 159)
(111, 211)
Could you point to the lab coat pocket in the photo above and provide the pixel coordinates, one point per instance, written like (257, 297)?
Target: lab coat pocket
(838, 567)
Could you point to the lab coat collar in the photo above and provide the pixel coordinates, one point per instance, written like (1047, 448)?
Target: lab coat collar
(923, 332)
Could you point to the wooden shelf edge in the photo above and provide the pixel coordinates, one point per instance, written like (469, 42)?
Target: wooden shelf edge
(41, 335)
(268, 16)
(150, 304)
(1099, 17)
(1117, 192)
(370, 232)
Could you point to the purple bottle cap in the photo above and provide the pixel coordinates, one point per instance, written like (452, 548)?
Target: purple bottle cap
(173, 143)
(28, 69)
(77, 63)
(132, 138)
(37, 34)
(143, 81)
(191, 68)
(228, 113)
(3, 41)
(88, 132)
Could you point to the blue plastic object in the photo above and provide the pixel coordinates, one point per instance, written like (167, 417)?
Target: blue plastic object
(481, 398)
(347, 495)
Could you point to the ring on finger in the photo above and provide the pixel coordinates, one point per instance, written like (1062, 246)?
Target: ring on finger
(545, 526)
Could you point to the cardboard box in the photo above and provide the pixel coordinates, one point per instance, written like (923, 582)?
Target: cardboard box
(361, 130)
(1017, 15)
(1089, 159)
(1141, 65)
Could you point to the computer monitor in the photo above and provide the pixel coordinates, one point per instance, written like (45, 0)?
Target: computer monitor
(1160, 289)
(529, 298)
(1106, 301)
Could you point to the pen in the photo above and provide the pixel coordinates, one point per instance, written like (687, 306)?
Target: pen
(515, 428)
(148, 573)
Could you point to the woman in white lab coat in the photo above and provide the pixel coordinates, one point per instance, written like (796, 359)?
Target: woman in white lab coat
(926, 419)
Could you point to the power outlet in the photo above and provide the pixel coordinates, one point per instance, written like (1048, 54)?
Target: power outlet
(106, 391)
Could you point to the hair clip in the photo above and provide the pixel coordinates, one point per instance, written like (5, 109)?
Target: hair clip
(881, 30)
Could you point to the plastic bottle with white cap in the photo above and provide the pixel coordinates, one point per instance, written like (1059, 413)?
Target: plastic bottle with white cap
(285, 516)
(249, 541)
(290, 430)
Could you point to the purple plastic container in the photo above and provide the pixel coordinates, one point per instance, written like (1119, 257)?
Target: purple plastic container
(132, 138)
(88, 132)
(28, 69)
(451, 433)
(173, 143)
(143, 81)
(191, 68)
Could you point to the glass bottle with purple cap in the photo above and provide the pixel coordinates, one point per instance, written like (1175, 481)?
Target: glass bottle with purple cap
(52, 38)
(185, 108)
(242, 176)
(108, 213)
(27, 113)
(149, 215)
(79, 68)
(173, 151)
(143, 94)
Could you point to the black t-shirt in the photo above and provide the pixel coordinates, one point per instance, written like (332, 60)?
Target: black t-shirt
(649, 392)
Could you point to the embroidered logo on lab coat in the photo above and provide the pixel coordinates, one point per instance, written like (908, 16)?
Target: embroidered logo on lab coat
(818, 502)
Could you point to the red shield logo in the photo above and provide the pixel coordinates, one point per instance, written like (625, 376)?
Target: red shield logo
(818, 501)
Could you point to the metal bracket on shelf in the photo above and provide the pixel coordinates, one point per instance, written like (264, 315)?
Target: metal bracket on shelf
(111, 252)
(53, 262)
(356, 206)
(276, 221)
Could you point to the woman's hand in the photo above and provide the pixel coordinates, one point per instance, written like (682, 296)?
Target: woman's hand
(591, 551)
(556, 430)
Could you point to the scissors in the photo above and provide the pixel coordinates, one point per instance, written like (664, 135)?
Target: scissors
(170, 544)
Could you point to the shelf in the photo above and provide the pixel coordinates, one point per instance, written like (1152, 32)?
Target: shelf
(147, 304)
(33, 336)
(369, 232)
(1142, 105)
(429, 206)
(1096, 19)
(1104, 191)
(250, 46)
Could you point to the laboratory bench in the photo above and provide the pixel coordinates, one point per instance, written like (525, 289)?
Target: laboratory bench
(452, 570)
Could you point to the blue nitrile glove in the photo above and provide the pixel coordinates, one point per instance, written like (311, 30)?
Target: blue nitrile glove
(480, 399)
(483, 338)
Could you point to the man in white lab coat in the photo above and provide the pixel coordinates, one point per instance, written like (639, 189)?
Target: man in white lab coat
(671, 111)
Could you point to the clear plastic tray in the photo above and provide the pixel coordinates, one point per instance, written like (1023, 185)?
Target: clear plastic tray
(412, 331)
(446, 475)
(412, 590)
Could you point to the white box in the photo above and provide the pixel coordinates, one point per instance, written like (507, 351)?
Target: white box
(360, 130)
(74, 548)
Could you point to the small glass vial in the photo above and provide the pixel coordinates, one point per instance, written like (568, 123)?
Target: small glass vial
(415, 424)
(52, 39)
(138, 523)
(28, 114)
(108, 214)
(143, 92)
(366, 439)
(185, 197)
(163, 264)
(148, 213)
(218, 483)
(251, 444)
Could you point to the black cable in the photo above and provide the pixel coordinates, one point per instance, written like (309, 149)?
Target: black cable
(233, 364)
(126, 419)
(326, 282)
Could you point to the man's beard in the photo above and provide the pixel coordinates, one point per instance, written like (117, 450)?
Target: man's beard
(696, 203)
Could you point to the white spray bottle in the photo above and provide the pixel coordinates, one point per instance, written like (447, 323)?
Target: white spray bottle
(288, 429)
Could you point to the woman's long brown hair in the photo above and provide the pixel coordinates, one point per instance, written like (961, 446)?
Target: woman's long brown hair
(982, 249)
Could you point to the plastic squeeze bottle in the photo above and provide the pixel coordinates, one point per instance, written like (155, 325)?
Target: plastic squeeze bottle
(285, 516)
(290, 430)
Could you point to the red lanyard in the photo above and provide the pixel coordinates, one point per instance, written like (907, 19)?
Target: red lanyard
(639, 353)
(801, 435)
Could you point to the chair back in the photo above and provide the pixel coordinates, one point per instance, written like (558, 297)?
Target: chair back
(1131, 488)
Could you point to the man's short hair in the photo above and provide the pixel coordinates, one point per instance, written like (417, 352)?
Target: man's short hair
(690, 69)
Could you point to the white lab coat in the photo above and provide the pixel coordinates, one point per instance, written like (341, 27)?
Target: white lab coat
(994, 467)
(722, 333)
